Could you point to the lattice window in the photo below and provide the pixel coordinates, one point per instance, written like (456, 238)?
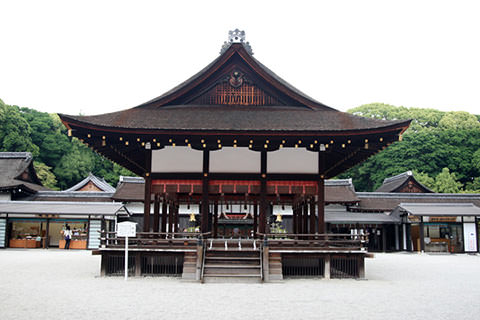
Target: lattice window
(245, 95)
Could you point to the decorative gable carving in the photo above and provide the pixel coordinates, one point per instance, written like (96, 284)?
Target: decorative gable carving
(236, 89)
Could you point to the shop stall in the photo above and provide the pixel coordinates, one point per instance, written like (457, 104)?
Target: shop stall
(31, 224)
(439, 227)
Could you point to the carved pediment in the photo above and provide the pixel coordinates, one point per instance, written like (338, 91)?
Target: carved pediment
(236, 89)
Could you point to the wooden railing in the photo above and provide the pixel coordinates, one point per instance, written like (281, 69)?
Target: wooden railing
(153, 240)
(329, 241)
(287, 241)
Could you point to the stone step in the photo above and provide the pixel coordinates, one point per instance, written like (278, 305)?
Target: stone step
(232, 271)
(237, 266)
(231, 279)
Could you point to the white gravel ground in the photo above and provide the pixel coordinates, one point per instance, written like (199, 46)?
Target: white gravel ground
(57, 284)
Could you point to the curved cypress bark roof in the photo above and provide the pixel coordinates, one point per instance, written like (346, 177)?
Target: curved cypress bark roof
(182, 109)
(235, 101)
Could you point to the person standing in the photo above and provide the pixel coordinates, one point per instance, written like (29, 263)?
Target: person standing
(67, 233)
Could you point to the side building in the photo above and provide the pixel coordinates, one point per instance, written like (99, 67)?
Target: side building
(32, 216)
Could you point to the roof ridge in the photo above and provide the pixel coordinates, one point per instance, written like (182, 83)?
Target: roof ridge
(398, 176)
(15, 155)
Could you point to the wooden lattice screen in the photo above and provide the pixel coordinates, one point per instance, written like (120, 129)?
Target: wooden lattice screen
(244, 95)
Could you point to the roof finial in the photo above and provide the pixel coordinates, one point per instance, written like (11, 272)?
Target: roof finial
(236, 36)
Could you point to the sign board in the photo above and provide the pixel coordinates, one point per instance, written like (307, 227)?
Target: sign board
(470, 236)
(127, 229)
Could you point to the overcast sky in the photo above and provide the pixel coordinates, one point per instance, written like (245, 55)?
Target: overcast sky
(94, 57)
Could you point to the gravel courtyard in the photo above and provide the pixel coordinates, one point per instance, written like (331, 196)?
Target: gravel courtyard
(57, 284)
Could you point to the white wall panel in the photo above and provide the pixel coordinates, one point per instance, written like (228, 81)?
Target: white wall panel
(292, 160)
(235, 160)
(177, 159)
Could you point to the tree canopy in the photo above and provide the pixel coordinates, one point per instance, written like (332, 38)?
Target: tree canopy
(442, 148)
(437, 143)
(60, 161)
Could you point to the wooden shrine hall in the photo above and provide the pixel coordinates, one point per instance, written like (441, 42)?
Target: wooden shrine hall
(235, 133)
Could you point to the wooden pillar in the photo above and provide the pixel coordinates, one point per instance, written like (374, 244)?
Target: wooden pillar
(263, 192)
(326, 271)
(255, 220)
(305, 217)
(294, 220)
(361, 266)
(300, 217)
(422, 236)
(321, 206)
(312, 216)
(156, 213)
(138, 264)
(384, 238)
(148, 190)
(397, 238)
(205, 180)
(47, 236)
(215, 220)
(175, 217)
(164, 215)
(321, 193)
(146, 204)
(171, 210)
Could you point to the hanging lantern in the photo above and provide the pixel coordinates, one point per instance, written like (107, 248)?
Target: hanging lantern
(279, 218)
(192, 217)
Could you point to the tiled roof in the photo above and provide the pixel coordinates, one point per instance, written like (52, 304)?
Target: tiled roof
(392, 184)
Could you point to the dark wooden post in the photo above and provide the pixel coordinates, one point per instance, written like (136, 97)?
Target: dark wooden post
(204, 208)
(164, 215)
(156, 213)
(312, 216)
(321, 193)
(215, 220)
(148, 190)
(422, 236)
(255, 220)
(146, 204)
(295, 227)
(176, 216)
(263, 192)
(300, 217)
(305, 217)
(171, 210)
(47, 235)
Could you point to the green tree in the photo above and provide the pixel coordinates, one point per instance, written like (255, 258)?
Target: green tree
(75, 165)
(15, 131)
(424, 179)
(459, 120)
(46, 176)
(446, 182)
(49, 134)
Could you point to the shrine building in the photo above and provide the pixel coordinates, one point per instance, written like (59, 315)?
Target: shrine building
(235, 135)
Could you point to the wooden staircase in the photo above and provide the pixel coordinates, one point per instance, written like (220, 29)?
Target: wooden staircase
(232, 260)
